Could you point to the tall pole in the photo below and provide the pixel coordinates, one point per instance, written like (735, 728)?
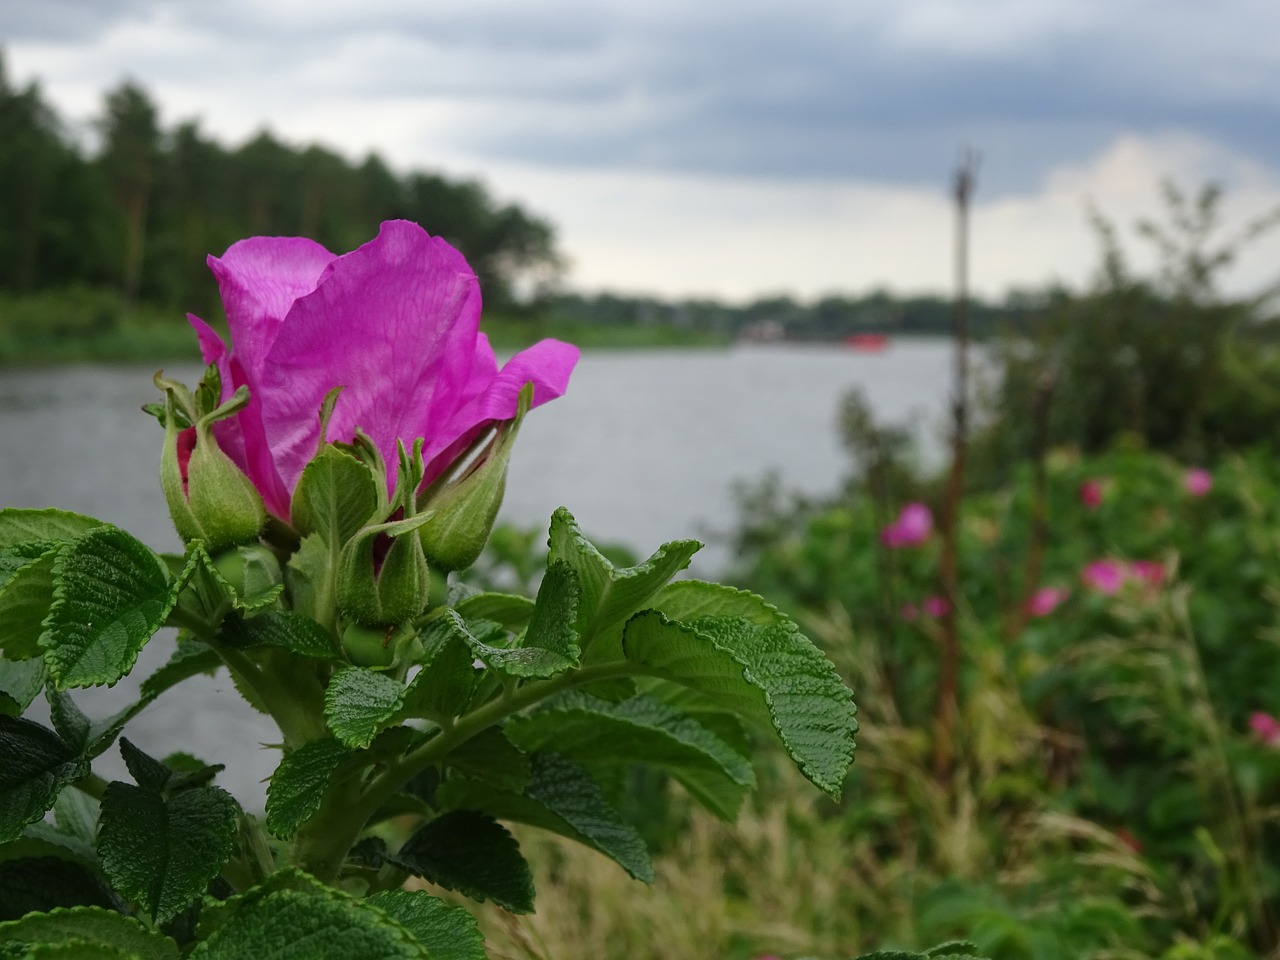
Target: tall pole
(949, 656)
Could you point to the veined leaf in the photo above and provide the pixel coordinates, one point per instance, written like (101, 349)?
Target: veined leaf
(57, 526)
(562, 797)
(448, 932)
(522, 662)
(93, 926)
(294, 632)
(552, 626)
(42, 883)
(35, 763)
(298, 785)
(638, 730)
(111, 594)
(510, 610)
(473, 854)
(192, 657)
(359, 704)
(261, 580)
(25, 597)
(447, 678)
(290, 916)
(771, 674)
(162, 852)
(492, 758)
(609, 595)
(335, 496)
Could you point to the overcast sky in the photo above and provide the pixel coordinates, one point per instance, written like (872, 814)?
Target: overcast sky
(707, 147)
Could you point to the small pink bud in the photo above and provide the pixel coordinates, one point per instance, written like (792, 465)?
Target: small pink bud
(913, 526)
(1091, 494)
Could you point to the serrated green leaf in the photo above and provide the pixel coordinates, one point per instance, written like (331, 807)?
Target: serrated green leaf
(767, 673)
(25, 598)
(35, 764)
(147, 772)
(447, 677)
(261, 584)
(310, 578)
(283, 629)
(335, 496)
(68, 720)
(162, 853)
(111, 594)
(562, 797)
(448, 932)
(77, 950)
(553, 624)
(44, 883)
(298, 785)
(473, 854)
(522, 662)
(20, 682)
(609, 595)
(41, 840)
(492, 758)
(91, 925)
(292, 917)
(510, 610)
(952, 948)
(639, 730)
(53, 525)
(359, 704)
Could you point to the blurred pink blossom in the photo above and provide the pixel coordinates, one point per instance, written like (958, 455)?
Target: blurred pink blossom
(1149, 571)
(913, 526)
(910, 612)
(1265, 727)
(1045, 600)
(1091, 494)
(935, 607)
(1197, 481)
(1105, 576)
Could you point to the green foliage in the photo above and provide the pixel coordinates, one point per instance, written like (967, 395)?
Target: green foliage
(485, 710)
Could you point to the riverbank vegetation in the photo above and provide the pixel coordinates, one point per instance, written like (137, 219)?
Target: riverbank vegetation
(1101, 778)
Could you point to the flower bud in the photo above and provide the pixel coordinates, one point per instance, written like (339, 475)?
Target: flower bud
(467, 503)
(251, 569)
(209, 498)
(376, 647)
(382, 575)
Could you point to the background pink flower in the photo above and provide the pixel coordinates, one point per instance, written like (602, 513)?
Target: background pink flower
(1045, 600)
(913, 526)
(1151, 572)
(1105, 576)
(1197, 481)
(1091, 494)
(935, 607)
(1265, 727)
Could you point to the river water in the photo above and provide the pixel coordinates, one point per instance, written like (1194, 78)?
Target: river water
(645, 447)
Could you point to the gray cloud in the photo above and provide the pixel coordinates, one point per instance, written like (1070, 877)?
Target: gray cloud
(824, 88)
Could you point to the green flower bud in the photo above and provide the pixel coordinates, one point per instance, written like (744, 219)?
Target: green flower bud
(252, 569)
(209, 497)
(382, 574)
(376, 647)
(466, 502)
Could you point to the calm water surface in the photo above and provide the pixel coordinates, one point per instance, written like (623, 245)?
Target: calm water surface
(645, 447)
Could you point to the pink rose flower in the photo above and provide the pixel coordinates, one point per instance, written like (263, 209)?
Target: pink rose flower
(1105, 576)
(1045, 600)
(395, 323)
(913, 526)
(1197, 481)
(1091, 494)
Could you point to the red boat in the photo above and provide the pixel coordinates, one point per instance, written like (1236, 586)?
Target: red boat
(867, 342)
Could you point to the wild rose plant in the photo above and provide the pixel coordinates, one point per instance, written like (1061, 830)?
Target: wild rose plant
(343, 453)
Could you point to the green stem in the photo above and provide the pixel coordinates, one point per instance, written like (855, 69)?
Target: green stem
(92, 784)
(323, 844)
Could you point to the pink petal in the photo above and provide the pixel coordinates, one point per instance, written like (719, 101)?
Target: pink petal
(1045, 600)
(1091, 494)
(393, 322)
(1197, 481)
(260, 278)
(935, 607)
(1105, 576)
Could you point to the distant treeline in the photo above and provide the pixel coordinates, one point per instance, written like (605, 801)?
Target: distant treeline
(138, 213)
(106, 245)
(829, 318)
